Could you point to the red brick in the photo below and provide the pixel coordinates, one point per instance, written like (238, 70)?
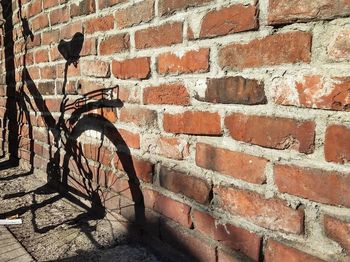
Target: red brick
(60, 15)
(138, 68)
(234, 164)
(180, 183)
(337, 144)
(55, 54)
(133, 15)
(193, 122)
(95, 69)
(226, 257)
(134, 167)
(109, 114)
(131, 139)
(138, 116)
(169, 6)
(68, 30)
(35, 42)
(50, 37)
(174, 210)
(98, 153)
(41, 56)
(276, 252)
(109, 3)
(191, 245)
(170, 147)
(338, 230)
(290, 11)
(315, 184)
(115, 44)
(234, 90)
(51, 3)
(172, 94)
(234, 237)
(269, 213)
(46, 88)
(40, 22)
(314, 91)
(72, 70)
(163, 35)
(284, 48)
(34, 8)
(48, 72)
(272, 132)
(149, 197)
(89, 47)
(122, 137)
(339, 47)
(233, 19)
(84, 7)
(99, 24)
(189, 62)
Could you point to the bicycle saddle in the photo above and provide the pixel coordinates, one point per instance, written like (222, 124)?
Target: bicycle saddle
(70, 50)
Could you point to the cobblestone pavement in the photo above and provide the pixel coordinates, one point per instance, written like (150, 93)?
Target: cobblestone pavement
(54, 229)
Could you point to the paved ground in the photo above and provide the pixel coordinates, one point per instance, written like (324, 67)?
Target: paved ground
(11, 249)
(54, 229)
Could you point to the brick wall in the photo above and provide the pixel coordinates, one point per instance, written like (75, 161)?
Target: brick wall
(234, 122)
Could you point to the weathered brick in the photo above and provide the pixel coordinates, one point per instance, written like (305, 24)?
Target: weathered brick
(115, 44)
(189, 62)
(84, 7)
(284, 48)
(181, 183)
(315, 184)
(169, 6)
(46, 88)
(163, 35)
(135, 14)
(272, 132)
(223, 256)
(109, 3)
(338, 230)
(193, 122)
(138, 68)
(95, 68)
(138, 116)
(314, 91)
(337, 144)
(339, 46)
(234, 237)
(228, 20)
(269, 213)
(234, 164)
(290, 11)
(234, 90)
(172, 94)
(170, 147)
(276, 252)
(50, 37)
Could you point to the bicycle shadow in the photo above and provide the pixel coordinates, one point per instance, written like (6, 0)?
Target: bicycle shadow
(69, 171)
(65, 150)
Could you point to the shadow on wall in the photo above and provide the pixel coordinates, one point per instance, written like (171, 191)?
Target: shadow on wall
(68, 169)
(68, 165)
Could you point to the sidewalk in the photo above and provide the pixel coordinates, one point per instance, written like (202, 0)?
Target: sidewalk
(11, 249)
